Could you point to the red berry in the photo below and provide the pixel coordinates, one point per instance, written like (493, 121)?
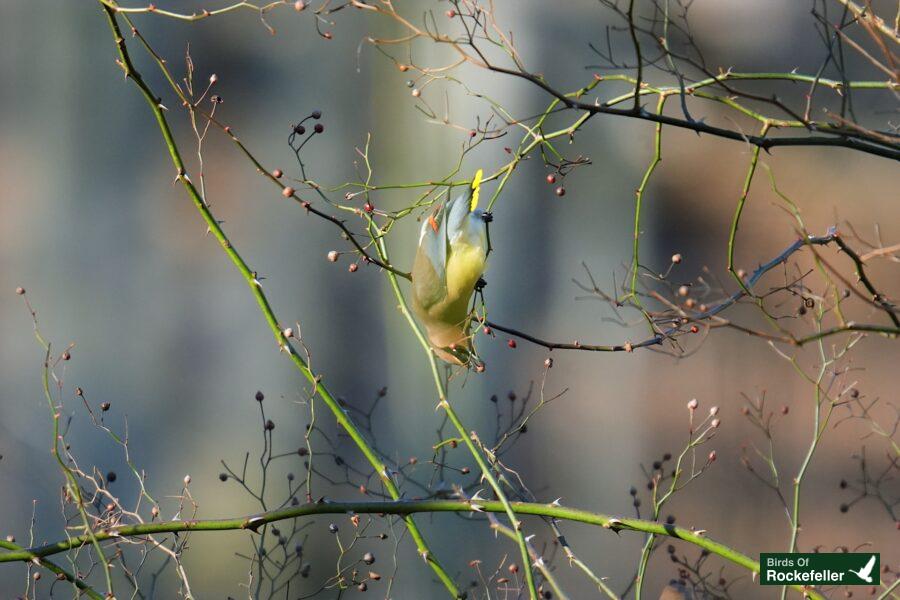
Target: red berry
(551, 178)
(451, 14)
(487, 331)
(560, 191)
(511, 343)
(368, 207)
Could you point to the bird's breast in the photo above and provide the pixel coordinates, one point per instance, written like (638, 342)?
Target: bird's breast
(464, 266)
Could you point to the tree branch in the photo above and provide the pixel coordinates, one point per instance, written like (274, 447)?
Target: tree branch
(405, 508)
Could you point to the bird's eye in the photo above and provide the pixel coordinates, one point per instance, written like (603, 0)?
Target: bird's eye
(487, 217)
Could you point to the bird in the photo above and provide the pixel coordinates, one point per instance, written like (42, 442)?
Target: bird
(866, 572)
(450, 259)
(676, 591)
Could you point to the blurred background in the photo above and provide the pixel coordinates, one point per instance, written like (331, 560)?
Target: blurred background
(115, 260)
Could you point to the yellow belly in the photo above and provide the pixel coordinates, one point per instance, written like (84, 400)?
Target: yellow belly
(464, 266)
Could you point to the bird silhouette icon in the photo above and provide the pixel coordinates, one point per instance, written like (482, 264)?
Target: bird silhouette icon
(866, 572)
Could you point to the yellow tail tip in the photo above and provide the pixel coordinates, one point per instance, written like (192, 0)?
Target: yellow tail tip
(476, 189)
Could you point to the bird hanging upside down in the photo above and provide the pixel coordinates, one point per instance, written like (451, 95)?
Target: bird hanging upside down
(449, 262)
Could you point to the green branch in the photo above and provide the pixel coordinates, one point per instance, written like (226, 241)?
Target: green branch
(60, 573)
(465, 436)
(405, 508)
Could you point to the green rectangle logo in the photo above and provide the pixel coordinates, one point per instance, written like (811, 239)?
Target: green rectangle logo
(820, 568)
